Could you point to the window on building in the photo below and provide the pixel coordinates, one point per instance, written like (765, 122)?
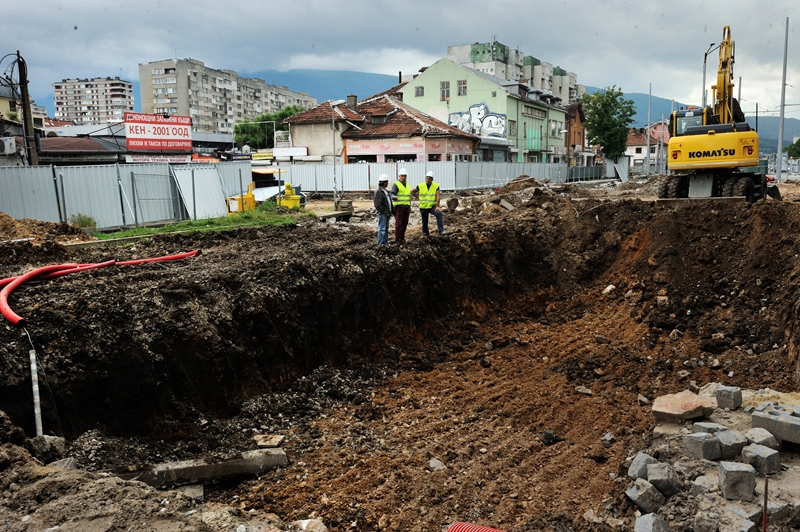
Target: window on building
(170, 80)
(494, 94)
(158, 81)
(638, 150)
(652, 149)
(444, 87)
(512, 128)
(462, 87)
(419, 91)
(169, 71)
(157, 71)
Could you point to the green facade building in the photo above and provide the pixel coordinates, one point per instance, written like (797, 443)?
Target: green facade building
(515, 122)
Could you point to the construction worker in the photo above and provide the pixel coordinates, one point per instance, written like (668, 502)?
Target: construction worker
(401, 196)
(383, 204)
(429, 198)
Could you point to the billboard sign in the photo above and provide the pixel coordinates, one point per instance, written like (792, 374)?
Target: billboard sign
(154, 132)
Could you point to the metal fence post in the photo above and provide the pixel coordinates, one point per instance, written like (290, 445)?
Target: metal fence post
(133, 193)
(58, 199)
(194, 197)
(121, 199)
(241, 190)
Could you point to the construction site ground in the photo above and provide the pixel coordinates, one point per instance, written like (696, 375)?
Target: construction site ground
(470, 377)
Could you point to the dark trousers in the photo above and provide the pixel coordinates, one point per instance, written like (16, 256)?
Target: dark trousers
(439, 220)
(401, 215)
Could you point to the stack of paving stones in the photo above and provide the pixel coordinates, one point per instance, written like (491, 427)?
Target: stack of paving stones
(737, 458)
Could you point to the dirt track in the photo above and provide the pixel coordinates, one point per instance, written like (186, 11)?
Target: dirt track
(467, 349)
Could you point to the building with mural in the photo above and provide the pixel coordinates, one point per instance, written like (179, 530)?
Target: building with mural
(514, 121)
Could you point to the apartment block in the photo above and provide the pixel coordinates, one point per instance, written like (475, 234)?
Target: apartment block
(497, 59)
(93, 101)
(216, 100)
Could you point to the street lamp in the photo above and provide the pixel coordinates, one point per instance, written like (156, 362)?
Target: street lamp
(333, 129)
(711, 48)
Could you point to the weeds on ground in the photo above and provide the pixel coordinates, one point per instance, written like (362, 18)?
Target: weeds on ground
(265, 214)
(82, 220)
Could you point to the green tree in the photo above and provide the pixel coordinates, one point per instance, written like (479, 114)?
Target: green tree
(608, 118)
(260, 132)
(793, 150)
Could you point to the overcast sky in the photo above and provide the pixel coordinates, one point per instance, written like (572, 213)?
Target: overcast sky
(630, 44)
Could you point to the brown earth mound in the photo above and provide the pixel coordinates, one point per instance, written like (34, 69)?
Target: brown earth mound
(505, 351)
(27, 228)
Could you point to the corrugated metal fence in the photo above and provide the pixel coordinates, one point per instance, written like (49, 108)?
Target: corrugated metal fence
(133, 194)
(449, 175)
(120, 195)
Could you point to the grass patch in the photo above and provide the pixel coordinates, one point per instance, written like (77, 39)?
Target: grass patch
(265, 214)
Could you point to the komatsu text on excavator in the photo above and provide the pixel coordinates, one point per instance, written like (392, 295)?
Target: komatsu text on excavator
(713, 152)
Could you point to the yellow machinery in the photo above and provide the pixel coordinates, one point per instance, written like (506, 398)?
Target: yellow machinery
(713, 152)
(242, 202)
(289, 198)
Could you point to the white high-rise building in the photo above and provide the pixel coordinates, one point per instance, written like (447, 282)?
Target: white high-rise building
(216, 100)
(93, 101)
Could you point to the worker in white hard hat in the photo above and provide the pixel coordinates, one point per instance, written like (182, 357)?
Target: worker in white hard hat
(383, 204)
(401, 195)
(429, 199)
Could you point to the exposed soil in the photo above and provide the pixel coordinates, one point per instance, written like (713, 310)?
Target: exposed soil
(470, 349)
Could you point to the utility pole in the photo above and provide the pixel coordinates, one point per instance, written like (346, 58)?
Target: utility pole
(27, 123)
(779, 160)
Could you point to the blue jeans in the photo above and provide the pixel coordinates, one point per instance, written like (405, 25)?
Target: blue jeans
(437, 215)
(383, 229)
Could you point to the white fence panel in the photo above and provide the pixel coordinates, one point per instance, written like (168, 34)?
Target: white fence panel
(353, 177)
(201, 190)
(234, 173)
(93, 191)
(150, 191)
(29, 192)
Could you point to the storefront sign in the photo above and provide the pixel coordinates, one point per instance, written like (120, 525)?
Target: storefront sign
(153, 132)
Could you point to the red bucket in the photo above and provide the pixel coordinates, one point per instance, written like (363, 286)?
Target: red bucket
(469, 527)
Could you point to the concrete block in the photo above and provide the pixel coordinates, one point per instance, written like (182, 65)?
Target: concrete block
(731, 522)
(268, 440)
(47, 448)
(701, 445)
(731, 443)
(650, 523)
(779, 512)
(763, 459)
(192, 471)
(194, 491)
(664, 478)
(703, 484)
(645, 496)
(681, 406)
(749, 510)
(638, 468)
(737, 481)
(311, 525)
(761, 436)
(729, 397)
(707, 426)
(782, 421)
(706, 522)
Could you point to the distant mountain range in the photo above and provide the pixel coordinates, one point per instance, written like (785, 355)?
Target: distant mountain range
(338, 84)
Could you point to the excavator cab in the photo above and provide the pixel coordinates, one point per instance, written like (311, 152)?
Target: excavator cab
(682, 119)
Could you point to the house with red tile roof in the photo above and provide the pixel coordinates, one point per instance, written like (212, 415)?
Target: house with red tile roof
(379, 129)
(637, 150)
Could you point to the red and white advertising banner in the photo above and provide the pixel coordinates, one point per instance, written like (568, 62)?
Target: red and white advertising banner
(152, 132)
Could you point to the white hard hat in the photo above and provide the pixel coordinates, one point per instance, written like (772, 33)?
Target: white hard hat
(402, 172)
(383, 178)
(429, 174)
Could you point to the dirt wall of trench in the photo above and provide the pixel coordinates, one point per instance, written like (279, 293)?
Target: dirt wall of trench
(149, 350)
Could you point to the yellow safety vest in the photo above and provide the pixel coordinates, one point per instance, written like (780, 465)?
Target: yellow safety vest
(427, 196)
(403, 194)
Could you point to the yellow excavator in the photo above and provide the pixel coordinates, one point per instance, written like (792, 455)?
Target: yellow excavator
(713, 152)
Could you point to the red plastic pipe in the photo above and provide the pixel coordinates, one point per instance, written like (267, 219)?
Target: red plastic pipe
(51, 272)
(9, 314)
(469, 527)
(179, 256)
